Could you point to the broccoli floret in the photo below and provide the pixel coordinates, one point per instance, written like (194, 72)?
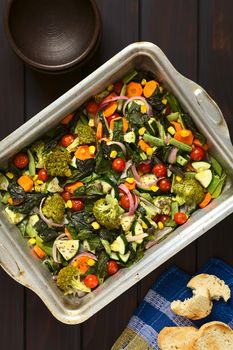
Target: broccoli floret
(37, 150)
(68, 280)
(85, 133)
(163, 203)
(107, 211)
(190, 190)
(57, 163)
(54, 208)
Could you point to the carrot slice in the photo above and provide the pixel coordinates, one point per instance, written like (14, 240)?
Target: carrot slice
(99, 131)
(198, 143)
(25, 182)
(184, 136)
(125, 124)
(149, 88)
(72, 187)
(206, 200)
(130, 186)
(67, 119)
(143, 145)
(111, 95)
(81, 263)
(110, 109)
(39, 252)
(83, 153)
(177, 126)
(133, 89)
(67, 233)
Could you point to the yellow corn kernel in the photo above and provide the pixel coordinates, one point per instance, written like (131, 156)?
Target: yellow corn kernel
(69, 204)
(35, 178)
(164, 101)
(95, 225)
(141, 131)
(39, 182)
(161, 89)
(184, 133)
(143, 109)
(32, 241)
(171, 130)
(178, 179)
(37, 188)
(75, 264)
(91, 122)
(144, 225)
(9, 175)
(149, 151)
(113, 154)
(92, 149)
(90, 262)
(154, 188)
(160, 225)
(130, 180)
(143, 82)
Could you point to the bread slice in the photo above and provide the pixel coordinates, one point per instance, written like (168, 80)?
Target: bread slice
(217, 288)
(195, 308)
(177, 338)
(214, 336)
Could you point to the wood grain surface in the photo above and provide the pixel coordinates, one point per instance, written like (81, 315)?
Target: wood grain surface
(197, 36)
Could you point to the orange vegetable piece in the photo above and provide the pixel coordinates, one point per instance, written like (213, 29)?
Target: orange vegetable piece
(125, 124)
(99, 131)
(111, 95)
(67, 119)
(25, 182)
(143, 145)
(72, 187)
(206, 200)
(177, 126)
(10, 201)
(83, 153)
(130, 186)
(67, 233)
(149, 88)
(133, 89)
(92, 107)
(39, 252)
(198, 143)
(81, 263)
(110, 109)
(184, 136)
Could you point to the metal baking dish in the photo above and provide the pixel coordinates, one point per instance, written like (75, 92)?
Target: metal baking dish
(15, 256)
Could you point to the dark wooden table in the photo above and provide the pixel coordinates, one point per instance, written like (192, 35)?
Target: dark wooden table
(197, 36)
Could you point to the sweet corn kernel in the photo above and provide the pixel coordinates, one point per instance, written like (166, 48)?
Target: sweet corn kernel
(160, 89)
(113, 154)
(9, 175)
(69, 204)
(143, 109)
(130, 180)
(35, 178)
(91, 122)
(164, 101)
(141, 131)
(90, 262)
(95, 225)
(160, 225)
(154, 188)
(75, 264)
(37, 188)
(149, 151)
(144, 225)
(92, 149)
(32, 241)
(171, 130)
(143, 82)
(39, 182)
(184, 133)
(178, 178)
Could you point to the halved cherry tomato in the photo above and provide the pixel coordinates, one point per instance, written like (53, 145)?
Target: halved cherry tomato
(160, 217)
(21, 160)
(118, 87)
(180, 218)
(43, 175)
(112, 267)
(164, 185)
(77, 205)
(91, 281)
(66, 140)
(124, 202)
(114, 116)
(118, 165)
(168, 110)
(159, 170)
(144, 168)
(66, 196)
(92, 107)
(197, 154)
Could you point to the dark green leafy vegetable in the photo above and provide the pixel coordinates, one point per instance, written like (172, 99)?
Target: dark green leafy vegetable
(102, 270)
(46, 233)
(118, 130)
(85, 233)
(16, 192)
(32, 201)
(108, 235)
(84, 168)
(173, 103)
(90, 191)
(137, 119)
(81, 220)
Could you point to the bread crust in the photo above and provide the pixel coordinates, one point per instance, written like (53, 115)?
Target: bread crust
(179, 338)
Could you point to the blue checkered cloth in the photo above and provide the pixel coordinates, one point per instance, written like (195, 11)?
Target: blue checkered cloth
(154, 312)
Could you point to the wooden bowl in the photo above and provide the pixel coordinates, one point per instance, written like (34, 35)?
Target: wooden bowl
(53, 35)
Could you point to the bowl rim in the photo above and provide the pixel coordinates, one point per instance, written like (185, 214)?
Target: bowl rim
(53, 68)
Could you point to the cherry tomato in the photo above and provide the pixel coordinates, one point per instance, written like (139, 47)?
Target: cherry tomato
(21, 160)
(164, 185)
(112, 267)
(92, 107)
(168, 110)
(118, 165)
(160, 217)
(114, 116)
(91, 281)
(180, 218)
(77, 204)
(43, 175)
(66, 140)
(124, 202)
(197, 154)
(66, 196)
(144, 168)
(118, 87)
(159, 170)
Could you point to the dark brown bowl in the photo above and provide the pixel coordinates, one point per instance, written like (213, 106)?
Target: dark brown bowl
(53, 35)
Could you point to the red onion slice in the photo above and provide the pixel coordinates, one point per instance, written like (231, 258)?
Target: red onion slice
(120, 144)
(136, 237)
(166, 139)
(127, 166)
(49, 222)
(90, 255)
(135, 173)
(148, 108)
(172, 155)
(131, 201)
(136, 202)
(112, 100)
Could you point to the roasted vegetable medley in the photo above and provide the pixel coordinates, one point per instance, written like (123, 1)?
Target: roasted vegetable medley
(111, 180)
